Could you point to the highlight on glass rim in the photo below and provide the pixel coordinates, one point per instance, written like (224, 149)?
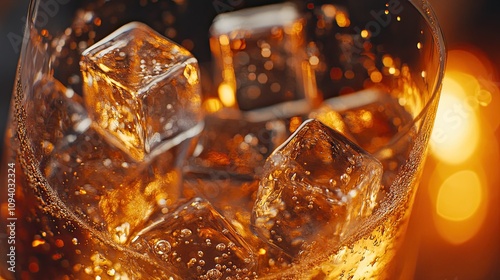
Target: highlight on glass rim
(217, 139)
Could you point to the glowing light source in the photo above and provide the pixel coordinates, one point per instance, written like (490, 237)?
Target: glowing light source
(461, 205)
(459, 196)
(224, 40)
(329, 10)
(342, 20)
(314, 60)
(376, 77)
(212, 105)
(227, 95)
(456, 129)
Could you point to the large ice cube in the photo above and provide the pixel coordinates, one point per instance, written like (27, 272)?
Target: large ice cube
(106, 187)
(234, 198)
(260, 57)
(314, 187)
(142, 89)
(199, 242)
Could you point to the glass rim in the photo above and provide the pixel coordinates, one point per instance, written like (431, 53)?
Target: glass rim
(427, 12)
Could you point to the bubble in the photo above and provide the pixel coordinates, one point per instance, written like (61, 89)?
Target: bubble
(220, 247)
(348, 170)
(214, 274)
(186, 232)
(345, 178)
(162, 247)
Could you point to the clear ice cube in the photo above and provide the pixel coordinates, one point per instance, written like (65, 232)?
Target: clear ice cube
(142, 90)
(106, 187)
(259, 56)
(234, 198)
(314, 187)
(198, 242)
(372, 118)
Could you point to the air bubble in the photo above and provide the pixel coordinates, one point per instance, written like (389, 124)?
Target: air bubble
(220, 247)
(345, 178)
(162, 247)
(186, 232)
(214, 274)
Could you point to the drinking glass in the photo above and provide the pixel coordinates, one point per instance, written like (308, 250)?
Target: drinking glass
(79, 205)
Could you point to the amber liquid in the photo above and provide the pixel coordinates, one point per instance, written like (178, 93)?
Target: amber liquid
(53, 241)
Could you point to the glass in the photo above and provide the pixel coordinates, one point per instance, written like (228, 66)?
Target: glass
(80, 206)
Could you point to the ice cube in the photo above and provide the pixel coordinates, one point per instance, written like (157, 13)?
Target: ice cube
(234, 198)
(315, 187)
(106, 187)
(373, 118)
(236, 146)
(199, 243)
(54, 112)
(260, 57)
(142, 89)
(332, 119)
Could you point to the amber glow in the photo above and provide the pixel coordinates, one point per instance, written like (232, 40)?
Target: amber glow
(224, 40)
(460, 203)
(365, 33)
(456, 127)
(341, 19)
(227, 95)
(465, 150)
(459, 196)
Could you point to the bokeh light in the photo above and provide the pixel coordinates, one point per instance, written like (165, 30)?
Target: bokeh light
(460, 203)
(461, 178)
(459, 196)
(456, 127)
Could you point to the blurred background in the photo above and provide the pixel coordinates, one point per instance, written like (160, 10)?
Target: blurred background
(455, 226)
